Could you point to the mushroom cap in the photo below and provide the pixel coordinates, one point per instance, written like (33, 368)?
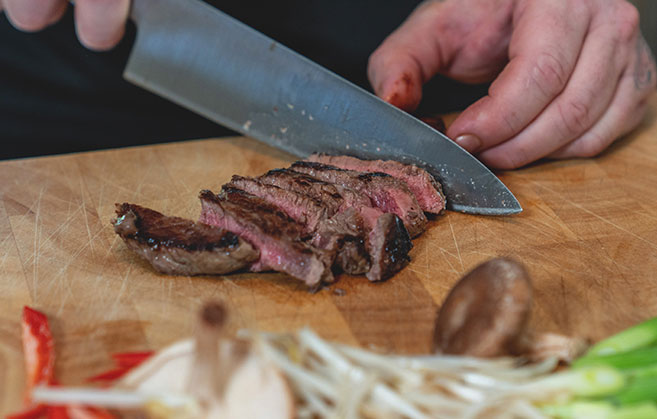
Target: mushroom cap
(486, 312)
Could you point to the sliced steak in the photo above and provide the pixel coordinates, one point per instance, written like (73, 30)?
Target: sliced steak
(384, 191)
(302, 208)
(354, 230)
(343, 243)
(177, 246)
(334, 197)
(389, 244)
(346, 208)
(273, 232)
(427, 191)
(344, 236)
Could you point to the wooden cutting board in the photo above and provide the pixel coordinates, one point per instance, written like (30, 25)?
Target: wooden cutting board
(588, 235)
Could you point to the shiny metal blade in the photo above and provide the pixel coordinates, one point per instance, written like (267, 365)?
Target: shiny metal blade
(212, 64)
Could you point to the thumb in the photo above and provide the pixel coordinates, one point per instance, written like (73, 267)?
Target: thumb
(408, 57)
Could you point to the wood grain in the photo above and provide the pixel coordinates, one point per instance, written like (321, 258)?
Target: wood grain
(588, 235)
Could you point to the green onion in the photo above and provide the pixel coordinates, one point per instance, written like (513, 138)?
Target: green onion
(649, 371)
(593, 381)
(600, 410)
(638, 389)
(640, 411)
(638, 358)
(639, 336)
(579, 409)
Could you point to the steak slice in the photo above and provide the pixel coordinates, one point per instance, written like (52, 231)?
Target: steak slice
(384, 191)
(177, 246)
(334, 197)
(355, 230)
(389, 244)
(427, 191)
(303, 209)
(343, 235)
(338, 236)
(273, 232)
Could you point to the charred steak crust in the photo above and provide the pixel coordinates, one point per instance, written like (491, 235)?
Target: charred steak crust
(273, 232)
(153, 228)
(424, 186)
(389, 245)
(384, 191)
(344, 236)
(177, 246)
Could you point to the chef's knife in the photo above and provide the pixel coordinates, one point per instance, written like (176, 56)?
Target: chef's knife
(194, 55)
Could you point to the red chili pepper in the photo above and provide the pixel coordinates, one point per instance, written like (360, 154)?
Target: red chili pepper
(39, 351)
(124, 363)
(38, 347)
(131, 359)
(35, 412)
(84, 412)
(57, 412)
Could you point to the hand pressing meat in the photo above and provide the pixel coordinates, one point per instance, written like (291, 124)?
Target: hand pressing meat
(569, 76)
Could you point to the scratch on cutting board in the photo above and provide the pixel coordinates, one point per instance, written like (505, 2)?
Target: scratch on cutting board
(63, 299)
(447, 256)
(36, 245)
(599, 217)
(83, 207)
(178, 179)
(456, 243)
(62, 226)
(124, 285)
(76, 253)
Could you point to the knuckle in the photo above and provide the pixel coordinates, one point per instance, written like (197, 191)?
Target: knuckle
(512, 122)
(513, 159)
(627, 21)
(593, 145)
(549, 73)
(575, 116)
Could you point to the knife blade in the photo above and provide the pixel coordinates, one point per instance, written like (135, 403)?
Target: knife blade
(202, 59)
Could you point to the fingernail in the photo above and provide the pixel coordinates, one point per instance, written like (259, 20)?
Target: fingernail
(469, 142)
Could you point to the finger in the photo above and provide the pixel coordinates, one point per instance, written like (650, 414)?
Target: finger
(625, 112)
(100, 24)
(583, 101)
(33, 15)
(439, 38)
(395, 70)
(544, 47)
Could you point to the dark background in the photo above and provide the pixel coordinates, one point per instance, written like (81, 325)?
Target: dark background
(58, 97)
